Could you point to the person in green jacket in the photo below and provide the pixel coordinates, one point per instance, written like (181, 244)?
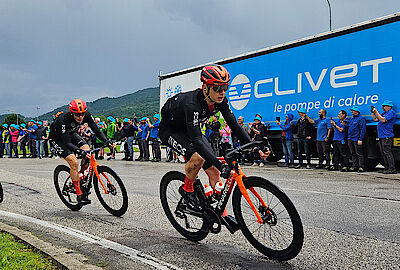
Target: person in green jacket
(110, 133)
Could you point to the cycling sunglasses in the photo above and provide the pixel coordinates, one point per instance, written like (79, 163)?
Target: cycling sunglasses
(79, 114)
(220, 88)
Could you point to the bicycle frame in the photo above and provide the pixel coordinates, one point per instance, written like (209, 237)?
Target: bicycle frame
(229, 184)
(93, 169)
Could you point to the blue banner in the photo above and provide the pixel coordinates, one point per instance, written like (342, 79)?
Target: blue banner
(357, 69)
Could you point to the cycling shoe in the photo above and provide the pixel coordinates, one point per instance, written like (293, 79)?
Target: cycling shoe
(232, 223)
(190, 199)
(83, 199)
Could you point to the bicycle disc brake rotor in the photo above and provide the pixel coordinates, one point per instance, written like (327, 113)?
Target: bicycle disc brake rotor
(212, 220)
(111, 189)
(268, 215)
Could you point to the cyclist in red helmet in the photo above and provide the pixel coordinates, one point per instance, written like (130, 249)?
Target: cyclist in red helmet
(69, 145)
(180, 128)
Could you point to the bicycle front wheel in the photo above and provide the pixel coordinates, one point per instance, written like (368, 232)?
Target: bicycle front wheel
(281, 235)
(64, 187)
(113, 196)
(190, 226)
(1, 193)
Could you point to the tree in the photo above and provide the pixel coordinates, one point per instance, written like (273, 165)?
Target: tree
(12, 119)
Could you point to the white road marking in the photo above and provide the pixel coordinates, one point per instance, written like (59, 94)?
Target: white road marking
(130, 252)
(344, 195)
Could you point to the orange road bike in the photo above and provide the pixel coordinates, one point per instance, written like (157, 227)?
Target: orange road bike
(265, 215)
(108, 186)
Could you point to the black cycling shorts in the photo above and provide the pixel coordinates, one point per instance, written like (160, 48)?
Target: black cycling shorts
(60, 149)
(181, 143)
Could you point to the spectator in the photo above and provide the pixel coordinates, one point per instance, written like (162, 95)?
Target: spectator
(323, 133)
(32, 137)
(304, 133)
(139, 138)
(340, 150)
(86, 133)
(111, 131)
(128, 134)
(215, 136)
(46, 140)
(287, 139)
(14, 138)
(5, 139)
(356, 132)
(41, 135)
(22, 139)
(145, 139)
(386, 134)
(155, 145)
(236, 141)
(226, 138)
(257, 132)
(99, 143)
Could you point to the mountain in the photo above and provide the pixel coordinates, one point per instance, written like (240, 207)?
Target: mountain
(144, 102)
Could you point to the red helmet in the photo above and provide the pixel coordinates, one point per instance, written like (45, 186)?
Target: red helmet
(77, 106)
(215, 75)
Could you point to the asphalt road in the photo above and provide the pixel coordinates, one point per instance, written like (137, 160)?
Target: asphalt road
(351, 221)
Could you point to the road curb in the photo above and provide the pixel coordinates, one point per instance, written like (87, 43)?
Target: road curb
(60, 257)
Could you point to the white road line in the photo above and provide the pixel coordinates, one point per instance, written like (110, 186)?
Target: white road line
(130, 252)
(344, 195)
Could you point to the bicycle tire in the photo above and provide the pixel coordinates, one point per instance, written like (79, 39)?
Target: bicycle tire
(281, 211)
(170, 198)
(63, 185)
(1, 193)
(116, 192)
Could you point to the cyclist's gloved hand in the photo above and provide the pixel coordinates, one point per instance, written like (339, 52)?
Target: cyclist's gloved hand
(80, 153)
(226, 171)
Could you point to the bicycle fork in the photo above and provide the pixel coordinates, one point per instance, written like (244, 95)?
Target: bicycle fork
(238, 176)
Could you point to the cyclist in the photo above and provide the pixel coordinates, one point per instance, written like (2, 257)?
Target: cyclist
(69, 145)
(180, 129)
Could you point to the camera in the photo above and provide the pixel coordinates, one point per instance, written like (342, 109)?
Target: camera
(372, 108)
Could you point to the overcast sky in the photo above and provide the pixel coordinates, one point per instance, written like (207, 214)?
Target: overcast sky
(56, 50)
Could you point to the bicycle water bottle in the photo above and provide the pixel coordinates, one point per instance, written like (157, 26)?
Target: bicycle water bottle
(208, 191)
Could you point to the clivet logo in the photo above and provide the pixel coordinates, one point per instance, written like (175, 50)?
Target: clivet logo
(239, 92)
(170, 92)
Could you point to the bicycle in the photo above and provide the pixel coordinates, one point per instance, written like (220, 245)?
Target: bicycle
(109, 188)
(265, 215)
(1, 193)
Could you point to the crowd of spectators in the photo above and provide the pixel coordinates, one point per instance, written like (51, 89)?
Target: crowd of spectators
(344, 136)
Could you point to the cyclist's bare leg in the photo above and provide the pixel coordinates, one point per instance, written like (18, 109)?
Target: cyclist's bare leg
(74, 168)
(85, 161)
(213, 176)
(192, 169)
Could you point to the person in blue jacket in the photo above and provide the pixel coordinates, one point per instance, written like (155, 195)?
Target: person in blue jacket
(155, 139)
(145, 139)
(357, 126)
(386, 134)
(323, 133)
(287, 139)
(340, 149)
(139, 138)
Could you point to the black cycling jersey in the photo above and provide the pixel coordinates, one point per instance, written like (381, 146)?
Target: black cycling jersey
(65, 126)
(182, 115)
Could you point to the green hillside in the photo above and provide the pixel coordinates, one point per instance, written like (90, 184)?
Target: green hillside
(143, 102)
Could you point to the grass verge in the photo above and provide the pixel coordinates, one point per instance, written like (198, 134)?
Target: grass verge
(16, 255)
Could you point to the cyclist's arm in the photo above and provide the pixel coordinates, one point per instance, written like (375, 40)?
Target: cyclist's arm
(194, 132)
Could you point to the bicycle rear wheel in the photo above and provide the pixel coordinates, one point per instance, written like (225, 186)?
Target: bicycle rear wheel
(64, 187)
(192, 227)
(1, 193)
(115, 201)
(281, 235)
